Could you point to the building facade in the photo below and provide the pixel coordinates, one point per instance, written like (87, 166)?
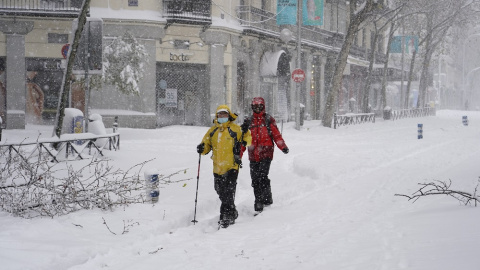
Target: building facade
(202, 53)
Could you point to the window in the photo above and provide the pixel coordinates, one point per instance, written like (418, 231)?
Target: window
(133, 3)
(364, 37)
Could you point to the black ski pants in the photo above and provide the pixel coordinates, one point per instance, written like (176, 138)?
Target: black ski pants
(225, 186)
(260, 182)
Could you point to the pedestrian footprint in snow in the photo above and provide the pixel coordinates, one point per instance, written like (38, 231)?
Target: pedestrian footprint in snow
(227, 142)
(265, 133)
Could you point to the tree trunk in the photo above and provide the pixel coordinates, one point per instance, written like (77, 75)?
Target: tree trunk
(336, 81)
(368, 80)
(424, 76)
(65, 89)
(410, 78)
(356, 18)
(383, 103)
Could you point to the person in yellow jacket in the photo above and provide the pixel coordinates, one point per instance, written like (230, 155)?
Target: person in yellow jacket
(227, 142)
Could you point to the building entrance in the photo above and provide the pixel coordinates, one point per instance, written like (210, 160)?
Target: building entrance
(182, 94)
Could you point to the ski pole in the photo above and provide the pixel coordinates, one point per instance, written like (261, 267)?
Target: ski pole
(196, 195)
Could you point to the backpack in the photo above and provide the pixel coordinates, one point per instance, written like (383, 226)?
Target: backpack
(237, 145)
(267, 124)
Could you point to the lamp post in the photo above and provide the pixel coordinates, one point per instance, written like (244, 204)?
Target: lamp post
(299, 44)
(463, 65)
(286, 36)
(468, 75)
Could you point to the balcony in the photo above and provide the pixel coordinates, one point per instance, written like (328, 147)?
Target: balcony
(263, 23)
(198, 12)
(41, 8)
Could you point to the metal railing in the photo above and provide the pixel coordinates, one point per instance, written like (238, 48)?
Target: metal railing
(352, 119)
(61, 8)
(73, 147)
(410, 113)
(188, 11)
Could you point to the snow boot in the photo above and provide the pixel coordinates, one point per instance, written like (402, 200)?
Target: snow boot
(258, 206)
(224, 223)
(267, 196)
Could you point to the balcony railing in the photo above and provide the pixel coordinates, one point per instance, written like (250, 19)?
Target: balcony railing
(54, 8)
(265, 23)
(188, 11)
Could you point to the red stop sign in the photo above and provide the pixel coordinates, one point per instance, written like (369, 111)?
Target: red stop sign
(298, 75)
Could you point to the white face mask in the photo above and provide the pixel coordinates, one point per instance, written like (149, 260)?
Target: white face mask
(222, 120)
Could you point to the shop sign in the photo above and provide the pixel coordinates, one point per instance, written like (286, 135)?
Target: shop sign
(171, 98)
(182, 57)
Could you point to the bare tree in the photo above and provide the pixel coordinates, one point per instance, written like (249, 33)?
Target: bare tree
(67, 77)
(360, 10)
(432, 24)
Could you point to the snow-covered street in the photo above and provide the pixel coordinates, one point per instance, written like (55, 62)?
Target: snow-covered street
(334, 205)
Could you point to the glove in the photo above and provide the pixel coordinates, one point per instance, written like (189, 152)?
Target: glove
(285, 150)
(245, 126)
(238, 160)
(200, 148)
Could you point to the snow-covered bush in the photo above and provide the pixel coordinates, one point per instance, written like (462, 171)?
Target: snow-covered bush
(123, 63)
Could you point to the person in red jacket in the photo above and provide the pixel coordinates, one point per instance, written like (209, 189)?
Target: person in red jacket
(265, 135)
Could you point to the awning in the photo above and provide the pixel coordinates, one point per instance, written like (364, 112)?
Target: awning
(269, 63)
(357, 62)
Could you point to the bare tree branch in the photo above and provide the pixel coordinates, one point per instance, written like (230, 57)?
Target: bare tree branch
(443, 188)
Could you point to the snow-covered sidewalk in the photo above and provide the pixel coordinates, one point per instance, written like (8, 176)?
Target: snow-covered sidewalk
(334, 205)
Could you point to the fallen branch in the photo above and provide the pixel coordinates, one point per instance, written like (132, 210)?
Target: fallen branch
(443, 188)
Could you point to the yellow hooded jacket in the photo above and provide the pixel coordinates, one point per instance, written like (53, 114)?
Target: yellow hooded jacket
(221, 143)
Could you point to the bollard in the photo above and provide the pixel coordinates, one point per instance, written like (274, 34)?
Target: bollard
(465, 120)
(115, 124)
(1, 124)
(151, 187)
(420, 131)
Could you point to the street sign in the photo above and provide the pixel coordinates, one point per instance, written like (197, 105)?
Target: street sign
(65, 50)
(298, 75)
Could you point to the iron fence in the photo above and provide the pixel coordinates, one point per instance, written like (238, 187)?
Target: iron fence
(188, 11)
(409, 113)
(352, 119)
(41, 7)
(77, 147)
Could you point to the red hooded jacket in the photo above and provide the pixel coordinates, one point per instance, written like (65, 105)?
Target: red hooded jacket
(262, 144)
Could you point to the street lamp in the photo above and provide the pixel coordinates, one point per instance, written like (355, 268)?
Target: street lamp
(463, 64)
(470, 73)
(299, 44)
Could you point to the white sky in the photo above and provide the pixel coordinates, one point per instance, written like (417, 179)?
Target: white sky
(334, 205)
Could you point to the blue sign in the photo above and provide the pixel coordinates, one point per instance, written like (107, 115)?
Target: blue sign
(286, 12)
(312, 12)
(410, 44)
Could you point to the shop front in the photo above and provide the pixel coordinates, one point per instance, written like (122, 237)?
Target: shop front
(182, 94)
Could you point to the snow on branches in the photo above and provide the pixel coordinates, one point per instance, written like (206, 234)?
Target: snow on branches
(124, 60)
(45, 189)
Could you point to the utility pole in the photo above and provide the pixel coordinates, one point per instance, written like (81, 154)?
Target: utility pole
(299, 53)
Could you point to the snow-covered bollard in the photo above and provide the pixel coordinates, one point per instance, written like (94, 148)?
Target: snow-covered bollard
(151, 186)
(420, 131)
(465, 120)
(115, 124)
